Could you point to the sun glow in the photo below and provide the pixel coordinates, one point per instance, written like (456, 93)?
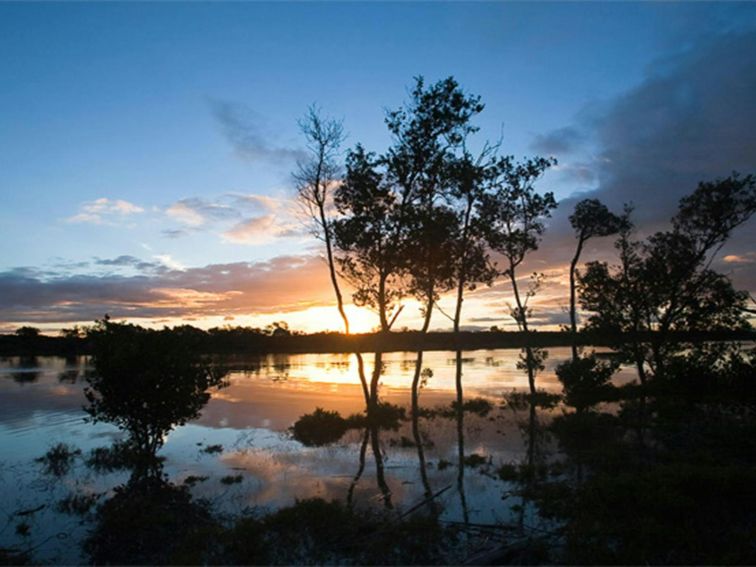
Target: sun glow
(327, 318)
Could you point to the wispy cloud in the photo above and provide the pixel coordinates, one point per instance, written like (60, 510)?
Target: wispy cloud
(746, 258)
(105, 211)
(240, 218)
(245, 131)
(261, 230)
(195, 212)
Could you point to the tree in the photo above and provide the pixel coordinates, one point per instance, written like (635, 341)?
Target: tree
(429, 135)
(666, 284)
(366, 232)
(514, 216)
(590, 219)
(278, 329)
(429, 256)
(146, 382)
(27, 332)
(73, 333)
(398, 230)
(471, 178)
(314, 180)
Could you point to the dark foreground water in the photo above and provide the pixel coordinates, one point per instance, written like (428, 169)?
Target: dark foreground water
(499, 464)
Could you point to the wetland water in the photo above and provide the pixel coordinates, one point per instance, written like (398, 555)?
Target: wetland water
(245, 430)
(240, 453)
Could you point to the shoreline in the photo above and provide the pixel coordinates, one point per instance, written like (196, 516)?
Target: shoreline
(245, 342)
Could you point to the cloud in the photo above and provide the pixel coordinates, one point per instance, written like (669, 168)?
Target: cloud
(691, 119)
(263, 229)
(241, 218)
(257, 230)
(284, 283)
(123, 260)
(104, 211)
(244, 130)
(169, 262)
(558, 142)
(126, 261)
(747, 258)
(174, 232)
(195, 212)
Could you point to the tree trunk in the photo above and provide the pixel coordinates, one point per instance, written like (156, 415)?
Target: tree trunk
(522, 323)
(462, 280)
(428, 312)
(573, 310)
(332, 268)
(416, 425)
(385, 326)
(461, 439)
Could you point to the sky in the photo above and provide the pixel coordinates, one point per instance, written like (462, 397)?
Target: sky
(146, 149)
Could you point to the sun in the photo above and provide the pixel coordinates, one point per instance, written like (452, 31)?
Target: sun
(318, 319)
(361, 320)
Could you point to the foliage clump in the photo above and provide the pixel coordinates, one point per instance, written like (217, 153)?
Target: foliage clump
(147, 382)
(320, 427)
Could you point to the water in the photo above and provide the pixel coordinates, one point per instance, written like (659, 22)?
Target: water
(41, 402)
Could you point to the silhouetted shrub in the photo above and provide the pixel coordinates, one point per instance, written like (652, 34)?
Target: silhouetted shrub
(319, 428)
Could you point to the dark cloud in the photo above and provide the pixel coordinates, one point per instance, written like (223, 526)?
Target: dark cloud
(692, 119)
(244, 129)
(558, 142)
(174, 233)
(126, 261)
(285, 283)
(487, 319)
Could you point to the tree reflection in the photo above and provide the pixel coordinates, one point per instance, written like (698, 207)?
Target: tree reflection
(149, 520)
(661, 472)
(147, 382)
(419, 443)
(460, 417)
(26, 370)
(360, 469)
(375, 414)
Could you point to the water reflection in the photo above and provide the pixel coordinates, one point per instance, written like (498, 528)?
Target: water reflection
(23, 369)
(435, 440)
(147, 382)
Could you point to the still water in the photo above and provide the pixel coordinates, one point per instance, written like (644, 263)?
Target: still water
(240, 453)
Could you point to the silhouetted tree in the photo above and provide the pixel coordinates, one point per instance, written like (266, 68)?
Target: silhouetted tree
(514, 215)
(314, 180)
(278, 329)
(665, 284)
(400, 231)
(27, 332)
(471, 178)
(590, 219)
(429, 134)
(366, 233)
(146, 382)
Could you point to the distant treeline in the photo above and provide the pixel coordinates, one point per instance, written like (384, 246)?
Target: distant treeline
(243, 340)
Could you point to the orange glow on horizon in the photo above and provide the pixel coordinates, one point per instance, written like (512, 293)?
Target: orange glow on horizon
(327, 318)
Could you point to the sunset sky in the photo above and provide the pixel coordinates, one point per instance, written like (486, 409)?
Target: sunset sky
(146, 150)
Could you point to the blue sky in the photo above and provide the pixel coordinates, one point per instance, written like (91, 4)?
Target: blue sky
(121, 103)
